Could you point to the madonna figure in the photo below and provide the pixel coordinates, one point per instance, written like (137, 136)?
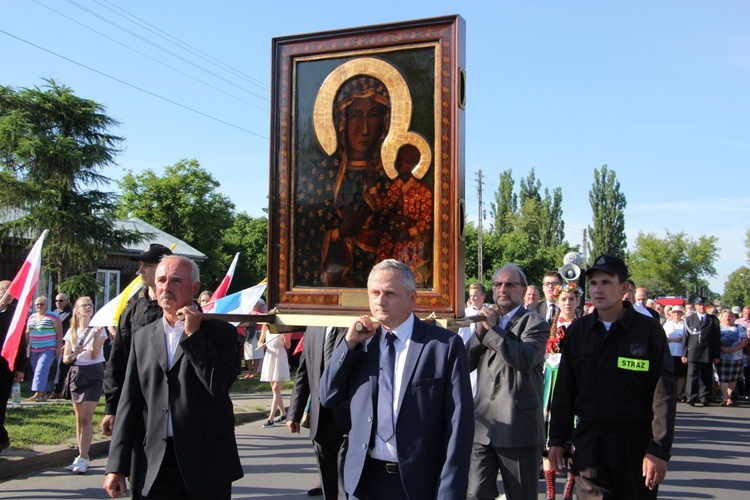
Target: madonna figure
(338, 224)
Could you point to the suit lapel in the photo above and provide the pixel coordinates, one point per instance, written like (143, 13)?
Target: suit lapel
(412, 356)
(178, 352)
(159, 344)
(520, 312)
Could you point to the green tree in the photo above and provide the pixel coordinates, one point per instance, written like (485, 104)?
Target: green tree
(183, 202)
(528, 228)
(471, 237)
(673, 265)
(249, 236)
(552, 227)
(608, 205)
(737, 288)
(504, 208)
(53, 147)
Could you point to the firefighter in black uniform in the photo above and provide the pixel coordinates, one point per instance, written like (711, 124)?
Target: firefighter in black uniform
(701, 349)
(139, 313)
(616, 380)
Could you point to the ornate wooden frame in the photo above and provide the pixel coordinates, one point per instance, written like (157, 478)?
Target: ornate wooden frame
(421, 63)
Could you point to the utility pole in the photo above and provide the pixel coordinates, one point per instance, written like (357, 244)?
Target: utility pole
(479, 227)
(585, 262)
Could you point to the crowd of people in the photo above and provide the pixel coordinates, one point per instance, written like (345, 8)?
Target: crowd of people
(397, 407)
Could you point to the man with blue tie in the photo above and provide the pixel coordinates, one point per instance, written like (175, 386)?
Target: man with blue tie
(407, 385)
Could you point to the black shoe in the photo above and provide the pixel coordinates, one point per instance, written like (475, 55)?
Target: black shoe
(691, 402)
(315, 492)
(4, 445)
(280, 418)
(706, 403)
(269, 423)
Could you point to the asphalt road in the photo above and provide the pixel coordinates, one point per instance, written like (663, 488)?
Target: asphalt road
(711, 460)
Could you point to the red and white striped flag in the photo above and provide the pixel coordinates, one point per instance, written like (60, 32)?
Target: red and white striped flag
(23, 288)
(221, 290)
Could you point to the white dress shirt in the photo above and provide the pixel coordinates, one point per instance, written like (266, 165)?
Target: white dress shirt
(172, 335)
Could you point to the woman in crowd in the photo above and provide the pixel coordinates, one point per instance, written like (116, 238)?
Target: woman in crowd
(253, 355)
(44, 337)
(733, 341)
(204, 298)
(83, 350)
(566, 297)
(675, 330)
(275, 369)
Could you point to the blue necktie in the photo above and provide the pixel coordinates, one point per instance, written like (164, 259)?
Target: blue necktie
(385, 389)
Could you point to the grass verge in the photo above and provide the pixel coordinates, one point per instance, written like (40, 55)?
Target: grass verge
(53, 423)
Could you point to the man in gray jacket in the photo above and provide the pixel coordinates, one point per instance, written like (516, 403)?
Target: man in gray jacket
(508, 352)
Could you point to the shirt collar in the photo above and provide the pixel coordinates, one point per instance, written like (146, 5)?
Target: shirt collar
(404, 330)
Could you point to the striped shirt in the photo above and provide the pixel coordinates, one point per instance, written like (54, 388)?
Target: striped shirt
(42, 334)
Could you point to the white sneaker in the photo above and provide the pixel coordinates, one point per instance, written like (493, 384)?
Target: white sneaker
(82, 466)
(75, 462)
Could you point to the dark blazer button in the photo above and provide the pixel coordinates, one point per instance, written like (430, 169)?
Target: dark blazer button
(164, 440)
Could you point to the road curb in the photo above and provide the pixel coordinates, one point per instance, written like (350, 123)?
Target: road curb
(64, 455)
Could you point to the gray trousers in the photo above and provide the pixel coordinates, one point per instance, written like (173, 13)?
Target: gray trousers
(518, 467)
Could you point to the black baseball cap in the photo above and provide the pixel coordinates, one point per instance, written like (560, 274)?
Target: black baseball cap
(609, 264)
(152, 254)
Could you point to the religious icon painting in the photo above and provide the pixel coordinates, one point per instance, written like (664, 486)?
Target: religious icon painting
(367, 164)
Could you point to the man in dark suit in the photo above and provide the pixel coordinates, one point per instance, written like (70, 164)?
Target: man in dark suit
(507, 350)
(177, 380)
(139, 313)
(407, 384)
(144, 309)
(701, 348)
(327, 427)
(548, 306)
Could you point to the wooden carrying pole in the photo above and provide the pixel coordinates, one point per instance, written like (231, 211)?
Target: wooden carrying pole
(292, 322)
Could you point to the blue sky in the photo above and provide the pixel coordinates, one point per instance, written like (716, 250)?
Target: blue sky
(658, 91)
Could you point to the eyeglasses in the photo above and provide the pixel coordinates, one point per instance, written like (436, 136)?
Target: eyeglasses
(550, 284)
(506, 284)
(59, 300)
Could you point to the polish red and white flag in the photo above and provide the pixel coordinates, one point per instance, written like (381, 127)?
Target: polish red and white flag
(221, 290)
(23, 288)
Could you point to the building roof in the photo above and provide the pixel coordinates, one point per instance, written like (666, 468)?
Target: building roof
(150, 235)
(154, 235)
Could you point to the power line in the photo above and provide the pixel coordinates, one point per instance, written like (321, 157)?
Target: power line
(188, 47)
(135, 86)
(152, 58)
(173, 54)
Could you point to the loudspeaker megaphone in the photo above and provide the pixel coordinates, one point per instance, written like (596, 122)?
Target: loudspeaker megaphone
(573, 258)
(570, 272)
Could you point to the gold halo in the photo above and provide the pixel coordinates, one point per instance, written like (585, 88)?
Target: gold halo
(401, 105)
